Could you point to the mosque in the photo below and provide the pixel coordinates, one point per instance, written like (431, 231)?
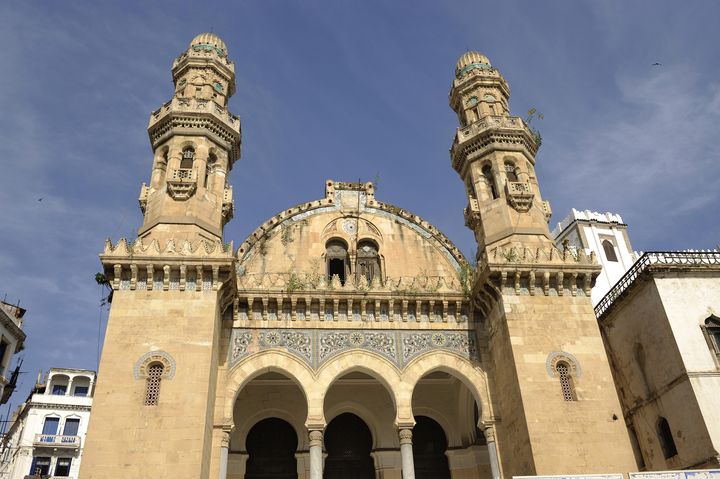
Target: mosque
(347, 337)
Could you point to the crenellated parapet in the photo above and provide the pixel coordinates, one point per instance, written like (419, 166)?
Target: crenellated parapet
(540, 271)
(178, 265)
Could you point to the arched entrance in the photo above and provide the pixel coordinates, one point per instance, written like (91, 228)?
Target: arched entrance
(271, 446)
(348, 443)
(429, 446)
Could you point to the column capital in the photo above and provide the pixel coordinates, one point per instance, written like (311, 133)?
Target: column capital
(489, 432)
(316, 437)
(405, 436)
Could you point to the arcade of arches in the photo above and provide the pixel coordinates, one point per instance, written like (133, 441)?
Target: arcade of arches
(357, 429)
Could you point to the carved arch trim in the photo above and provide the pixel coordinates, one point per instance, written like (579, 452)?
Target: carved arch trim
(557, 357)
(142, 364)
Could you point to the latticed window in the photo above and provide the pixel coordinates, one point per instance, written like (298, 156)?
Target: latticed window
(566, 382)
(152, 384)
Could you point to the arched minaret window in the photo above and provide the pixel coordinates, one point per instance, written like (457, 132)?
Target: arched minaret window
(152, 384)
(666, 438)
(609, 249)
(188, 156)
(337, 260)
(212, 161)
(368, 260)
(510, 172)
(488, 175)
(566, 382)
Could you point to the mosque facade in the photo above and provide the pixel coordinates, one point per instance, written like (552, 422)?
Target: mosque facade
(347, 337)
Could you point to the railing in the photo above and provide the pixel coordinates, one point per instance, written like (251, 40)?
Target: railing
(183, 174)
(491, 121)
(670, 258)
(57, 440)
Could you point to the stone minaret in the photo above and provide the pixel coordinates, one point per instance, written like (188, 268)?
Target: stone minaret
(195, 140)
(154, 407)
(556, 408)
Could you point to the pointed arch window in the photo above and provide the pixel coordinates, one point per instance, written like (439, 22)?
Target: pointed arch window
(490, 180)
(152, 384)
(211, 163)
(368, 260)
(711, 330)
(187, 159)
(511, 172)
(336, 257)
(609, 250)
(667, 442)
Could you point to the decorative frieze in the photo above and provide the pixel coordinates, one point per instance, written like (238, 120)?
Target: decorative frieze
(315, 347)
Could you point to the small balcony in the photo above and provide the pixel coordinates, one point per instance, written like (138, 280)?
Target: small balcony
(181, 183)
(52, 440)
(520, 195)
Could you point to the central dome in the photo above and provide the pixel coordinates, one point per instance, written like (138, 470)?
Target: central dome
(210, 39)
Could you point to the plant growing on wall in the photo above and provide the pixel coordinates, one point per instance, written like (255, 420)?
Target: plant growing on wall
(536, 133)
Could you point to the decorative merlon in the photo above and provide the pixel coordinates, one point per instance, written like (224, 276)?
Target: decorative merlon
(135, 249)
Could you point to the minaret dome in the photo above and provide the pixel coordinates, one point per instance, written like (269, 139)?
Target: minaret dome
(469, 61)
(210, 40)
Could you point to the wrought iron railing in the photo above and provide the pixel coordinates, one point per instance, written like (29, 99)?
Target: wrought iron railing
(670, 258)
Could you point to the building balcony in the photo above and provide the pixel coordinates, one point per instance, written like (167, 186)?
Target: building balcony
(52, 440)
(181, 183)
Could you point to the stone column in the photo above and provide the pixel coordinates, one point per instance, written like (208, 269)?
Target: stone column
(68, 391)
(224, 447)
(316, 457)
(492, 451)
(406, 454)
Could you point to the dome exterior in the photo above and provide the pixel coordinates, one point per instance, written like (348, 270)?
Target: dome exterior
(208, 39)
(470, 60)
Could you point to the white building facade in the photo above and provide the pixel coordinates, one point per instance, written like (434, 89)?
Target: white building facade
(47, 434)
(605, 234)
(661, 327)
(12, 339)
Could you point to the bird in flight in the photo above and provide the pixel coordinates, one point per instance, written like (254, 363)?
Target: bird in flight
(40, 199)
(656, 64)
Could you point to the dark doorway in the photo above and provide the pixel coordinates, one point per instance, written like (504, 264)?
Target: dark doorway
(429, 446)
(348, 443)
(271, 445)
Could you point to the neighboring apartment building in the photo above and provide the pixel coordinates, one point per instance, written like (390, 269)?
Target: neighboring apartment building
(661, 327)
(12, 339)
(47, 433)
(605, 234)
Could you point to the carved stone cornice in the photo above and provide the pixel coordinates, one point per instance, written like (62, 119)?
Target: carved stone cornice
(507, 133)
(190, 116)
(332, 307)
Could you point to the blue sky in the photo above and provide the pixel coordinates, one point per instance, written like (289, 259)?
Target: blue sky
(344, 90)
